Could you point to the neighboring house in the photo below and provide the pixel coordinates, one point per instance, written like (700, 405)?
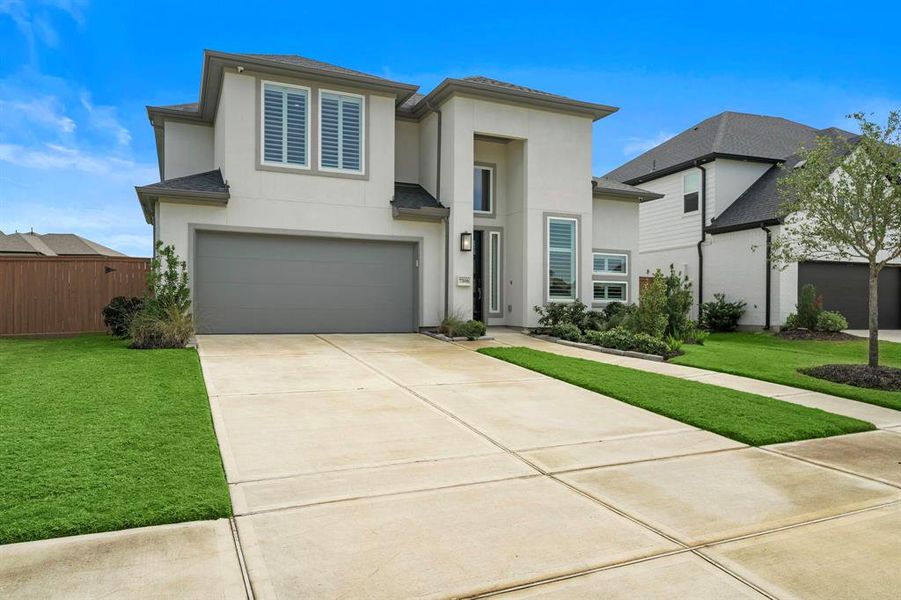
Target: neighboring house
(723, 172)
(51, 244)
(309, 197)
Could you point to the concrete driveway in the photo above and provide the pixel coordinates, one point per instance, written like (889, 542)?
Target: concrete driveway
(888, 335)
(396, 466)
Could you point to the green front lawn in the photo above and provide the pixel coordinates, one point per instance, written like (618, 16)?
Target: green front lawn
(96, 437)
(767, 357)
(747, 418)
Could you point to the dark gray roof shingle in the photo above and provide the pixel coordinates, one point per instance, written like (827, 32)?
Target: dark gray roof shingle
(615, 188)
(309, 63)
(728, 133)
(209, 182)
(760, 202)
(413, 195)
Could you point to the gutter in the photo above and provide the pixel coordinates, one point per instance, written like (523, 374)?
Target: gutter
(769, 273)
(703, 237)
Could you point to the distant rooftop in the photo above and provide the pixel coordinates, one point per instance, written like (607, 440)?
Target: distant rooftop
(51, 244)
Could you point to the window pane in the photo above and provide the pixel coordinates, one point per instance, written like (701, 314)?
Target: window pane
(296, 128)
(691, 182)
(609, 263)
(609, 292)
(690, 202)
(481, 191)
(494, 257)
(350, 133)
(561, 259)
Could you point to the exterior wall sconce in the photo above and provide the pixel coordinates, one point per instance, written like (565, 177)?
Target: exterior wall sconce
(466, 241)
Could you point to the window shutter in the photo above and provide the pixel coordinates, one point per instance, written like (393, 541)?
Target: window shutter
(330, 132)
(350, 133)
(296, 128)
(273, 117)
(561, 259)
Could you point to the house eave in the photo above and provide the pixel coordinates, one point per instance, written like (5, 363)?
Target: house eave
(148, 196)
(698, 161)
(428, 213)
(714, 230)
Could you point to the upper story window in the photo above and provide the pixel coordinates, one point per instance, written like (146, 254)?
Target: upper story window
(482, 189)
(561, 259)
(691, 185)
(610, 264)
(340, 132)
(285, 124)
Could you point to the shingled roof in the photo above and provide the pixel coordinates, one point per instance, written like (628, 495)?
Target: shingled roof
(52, 244)
(208, 187)
(759, 204)
(609, 187)
(728, 134)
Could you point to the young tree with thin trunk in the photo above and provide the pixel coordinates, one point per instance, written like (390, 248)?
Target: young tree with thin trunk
(842, 200)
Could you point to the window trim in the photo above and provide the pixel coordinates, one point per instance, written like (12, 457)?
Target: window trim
(547, 258)
(684, 193)
(362, 169)
(262, 137)
(495, 309)
(596, 300)
(491, 189)
(625, 263)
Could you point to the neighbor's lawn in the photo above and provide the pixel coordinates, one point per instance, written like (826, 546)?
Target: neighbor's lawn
(744, 417)
(96, 437)
(765, 356)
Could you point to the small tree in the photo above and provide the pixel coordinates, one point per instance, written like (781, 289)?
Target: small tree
(167, 280)
(843, 200)
(679, 299)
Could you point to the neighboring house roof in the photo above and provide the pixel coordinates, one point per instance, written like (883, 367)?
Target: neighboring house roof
(52, 244)
(413, 201)
(759, 204)
(200, 188)
(608, 187)
(728, 134)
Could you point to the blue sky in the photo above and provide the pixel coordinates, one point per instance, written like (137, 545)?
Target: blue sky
(75, 76)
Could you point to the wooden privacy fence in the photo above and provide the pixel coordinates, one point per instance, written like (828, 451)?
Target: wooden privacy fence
(60, 295)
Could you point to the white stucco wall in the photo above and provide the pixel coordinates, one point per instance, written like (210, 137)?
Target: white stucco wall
(733, 177)
(406, 151)
(735, 264)
(188, 149)
(298, 201)
(615, 229)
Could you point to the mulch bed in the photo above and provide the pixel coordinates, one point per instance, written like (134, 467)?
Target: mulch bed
(806, 334)
(878, 378)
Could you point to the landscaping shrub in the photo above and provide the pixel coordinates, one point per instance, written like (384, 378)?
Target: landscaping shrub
(117, 315)
(809, 307)
(575, 313)
(623, 339)
(165, 320)
(673, 344)
(721, 315)
(831, 321)
(791, 322)
(471, 330)
(159, 326)
(567, 331)
(450, 325)
(679, 299)
(650, 316)
(695, 336)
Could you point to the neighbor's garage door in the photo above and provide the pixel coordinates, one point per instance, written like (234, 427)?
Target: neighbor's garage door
(844, 288)
(255, 283)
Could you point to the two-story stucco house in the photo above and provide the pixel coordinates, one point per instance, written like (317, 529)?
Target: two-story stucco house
(717, 208)
(309, 197)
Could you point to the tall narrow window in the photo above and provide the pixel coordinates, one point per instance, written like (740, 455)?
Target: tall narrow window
(494, 271)
(561, 259)
(691, 184)
(285, 125)
(341, 132)
(482, 190)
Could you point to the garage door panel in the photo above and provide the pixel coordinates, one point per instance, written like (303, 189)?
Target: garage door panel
(255, 283)
(844, 287)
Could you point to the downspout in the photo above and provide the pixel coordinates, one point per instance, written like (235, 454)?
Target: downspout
(769, 273)
(703, 237)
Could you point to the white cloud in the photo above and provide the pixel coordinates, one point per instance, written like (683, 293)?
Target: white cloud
(105, 120)
(42, 111)
(34, 21)
(635, 145)
(57, 157)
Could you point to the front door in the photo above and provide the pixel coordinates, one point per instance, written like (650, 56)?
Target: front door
(477, 276)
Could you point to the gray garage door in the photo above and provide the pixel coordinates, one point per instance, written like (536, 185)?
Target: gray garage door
(254, 283)
(844, 288)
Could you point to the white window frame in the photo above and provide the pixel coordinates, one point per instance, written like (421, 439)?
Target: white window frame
(595, 299)
(684, 193)
(362, 170)
(490, 170)
(494, 308)
(625, 258)
(575, 258)
(306, 133)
